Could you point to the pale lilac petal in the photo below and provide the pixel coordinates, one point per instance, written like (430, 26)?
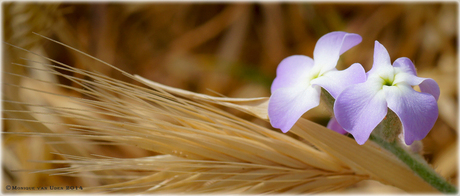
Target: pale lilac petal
(331, 46)
(381, 58)
(287, 105)
(406, 65)
(427, 85)
(336, 81)
(335, 126)
(292, 71)
(417, 111)
(360, 108)
(430, 86)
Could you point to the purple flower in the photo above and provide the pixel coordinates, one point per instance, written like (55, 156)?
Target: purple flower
(297, 86)
(361, 107)
(335, 126)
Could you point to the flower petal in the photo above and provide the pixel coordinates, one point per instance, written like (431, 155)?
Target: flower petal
(336, 81)
(430, 86)
(360, 108)
(381, 58)
(287, 105)
(330, 46)
(292, 71)
(406, 65)
(417, 111)
(335, 126)
(427, 85)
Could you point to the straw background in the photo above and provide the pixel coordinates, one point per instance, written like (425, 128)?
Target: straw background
(224, 49)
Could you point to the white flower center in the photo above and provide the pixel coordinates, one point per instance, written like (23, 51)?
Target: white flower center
(388, 76)
(313, 74)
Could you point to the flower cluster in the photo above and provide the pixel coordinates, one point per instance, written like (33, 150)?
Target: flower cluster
(361, 99)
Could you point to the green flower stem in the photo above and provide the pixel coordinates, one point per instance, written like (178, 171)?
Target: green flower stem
(416, 163)
(385, 135)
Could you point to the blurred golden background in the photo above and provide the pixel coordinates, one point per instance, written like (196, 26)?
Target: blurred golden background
(227, 49)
